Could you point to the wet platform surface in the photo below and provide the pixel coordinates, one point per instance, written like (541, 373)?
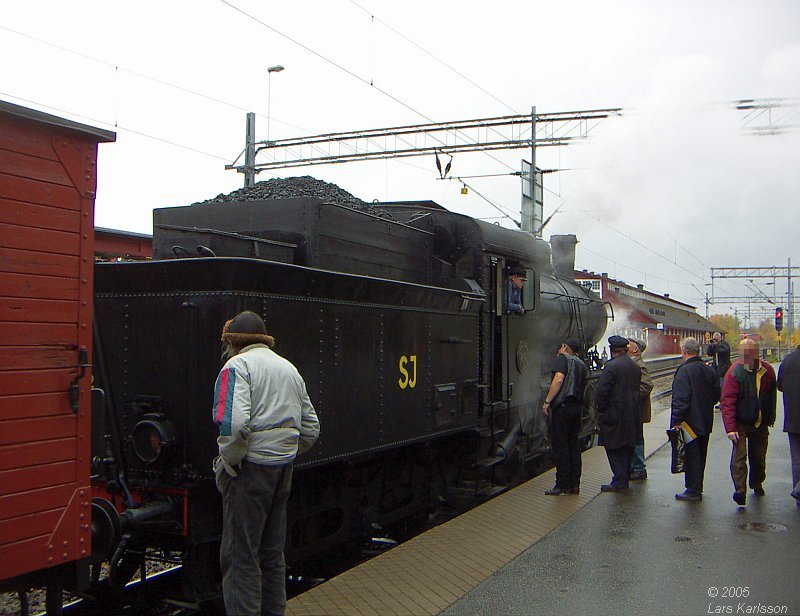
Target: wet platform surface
(637, 552)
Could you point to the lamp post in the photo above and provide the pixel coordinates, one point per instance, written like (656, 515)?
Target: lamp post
(272, 69)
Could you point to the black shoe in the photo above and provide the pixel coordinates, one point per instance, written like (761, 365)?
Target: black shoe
(577, 490)
(794, 494)
(612, 487)
(556, 491)
(638, 475)
(740, 498)
(688, 496)
(759, 491)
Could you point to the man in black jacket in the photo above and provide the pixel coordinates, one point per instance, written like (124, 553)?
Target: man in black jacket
(789, 384)
(695, 391)
(564, 404)
(619, 412)
(720, 352)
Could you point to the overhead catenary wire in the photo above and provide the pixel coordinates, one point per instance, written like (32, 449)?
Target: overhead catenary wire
(121, 69)
(116, 67)
(432, 55)
(496, 206)
(116, 126)
(345, 70)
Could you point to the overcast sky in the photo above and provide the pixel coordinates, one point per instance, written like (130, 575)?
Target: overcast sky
(672, 188)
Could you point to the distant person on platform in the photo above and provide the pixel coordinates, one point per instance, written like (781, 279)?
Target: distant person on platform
(720, 352)
(619, 412)
(789, 384)
(695, 391)
(635, 349)
(748, 410)
(513, 298)
(564, 404)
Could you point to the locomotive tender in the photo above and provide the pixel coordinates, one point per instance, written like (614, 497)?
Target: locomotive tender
(427, 391)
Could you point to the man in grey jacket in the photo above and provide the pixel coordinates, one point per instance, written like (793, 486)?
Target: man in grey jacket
(265, 417)
(635, 349)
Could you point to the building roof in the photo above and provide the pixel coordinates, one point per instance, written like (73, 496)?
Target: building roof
(649, 308)
(45, 118)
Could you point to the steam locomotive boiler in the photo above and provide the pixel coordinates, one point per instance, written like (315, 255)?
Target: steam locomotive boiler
(426, 389)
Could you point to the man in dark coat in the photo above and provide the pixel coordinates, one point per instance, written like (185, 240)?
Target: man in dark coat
(720, 352)
(619, 412)
(789, 384)
(695, 391)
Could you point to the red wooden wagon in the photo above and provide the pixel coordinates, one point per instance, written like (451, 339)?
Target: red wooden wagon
(47, 190)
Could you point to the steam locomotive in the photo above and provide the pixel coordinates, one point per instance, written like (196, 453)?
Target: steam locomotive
(428, 391)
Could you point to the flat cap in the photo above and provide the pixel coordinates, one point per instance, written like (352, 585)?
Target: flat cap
(617, 341)
(640, 343)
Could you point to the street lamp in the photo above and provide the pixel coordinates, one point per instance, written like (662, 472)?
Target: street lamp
(272, 69)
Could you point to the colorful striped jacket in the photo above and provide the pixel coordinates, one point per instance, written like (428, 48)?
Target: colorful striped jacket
(262, 408)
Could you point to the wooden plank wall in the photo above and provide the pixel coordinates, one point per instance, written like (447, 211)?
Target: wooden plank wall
(47, 184)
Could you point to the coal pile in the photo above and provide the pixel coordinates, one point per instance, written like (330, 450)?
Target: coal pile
(303, 186)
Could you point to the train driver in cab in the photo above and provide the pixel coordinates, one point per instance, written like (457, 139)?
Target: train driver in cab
(513, 298)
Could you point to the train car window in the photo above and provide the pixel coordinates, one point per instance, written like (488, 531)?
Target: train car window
(529, 290)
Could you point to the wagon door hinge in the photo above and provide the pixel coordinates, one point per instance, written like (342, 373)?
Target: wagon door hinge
(74, 388)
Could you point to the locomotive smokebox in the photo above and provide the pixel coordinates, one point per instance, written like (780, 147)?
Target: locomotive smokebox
(563, 247)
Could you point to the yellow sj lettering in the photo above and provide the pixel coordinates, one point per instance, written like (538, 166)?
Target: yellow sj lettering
(405, 379)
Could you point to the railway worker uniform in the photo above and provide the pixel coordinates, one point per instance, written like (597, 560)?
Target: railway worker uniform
(695, 391)
(564, 404)
(619, 412)
(749, 398)
(265, 417)
(635, 350)
(512, 303)
(789, 384)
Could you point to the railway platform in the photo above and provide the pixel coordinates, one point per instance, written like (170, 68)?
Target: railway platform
(638, 552)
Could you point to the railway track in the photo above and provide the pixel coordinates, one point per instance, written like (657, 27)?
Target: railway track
(662, 371)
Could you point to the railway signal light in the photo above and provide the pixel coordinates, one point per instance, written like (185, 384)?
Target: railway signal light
(778, 319)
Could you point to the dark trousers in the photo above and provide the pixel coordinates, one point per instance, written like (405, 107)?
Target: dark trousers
(794, 453)
(253, 538)
(696, 453)
(619, 460)
(565, 425)
(752, 448)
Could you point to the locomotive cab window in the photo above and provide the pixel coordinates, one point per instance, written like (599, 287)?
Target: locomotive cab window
(519, 291)
(529, 291)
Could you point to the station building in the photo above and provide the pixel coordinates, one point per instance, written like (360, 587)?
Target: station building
(657, 319)
(113, 245)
